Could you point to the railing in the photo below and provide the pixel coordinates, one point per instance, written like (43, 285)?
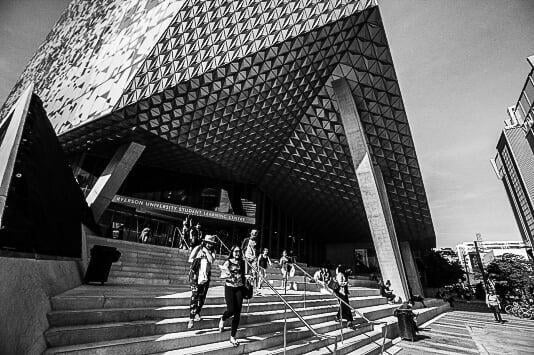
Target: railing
(342, 301)
(286, 306)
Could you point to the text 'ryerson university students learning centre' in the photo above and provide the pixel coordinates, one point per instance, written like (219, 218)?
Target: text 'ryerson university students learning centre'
(285, 115)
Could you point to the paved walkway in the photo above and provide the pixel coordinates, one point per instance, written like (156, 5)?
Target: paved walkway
(463, 332)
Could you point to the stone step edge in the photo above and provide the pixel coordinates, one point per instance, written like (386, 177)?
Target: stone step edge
(356, 337)
(179, 308)
(208, 324)
(169, 336)
(315, 298)
(219, 347)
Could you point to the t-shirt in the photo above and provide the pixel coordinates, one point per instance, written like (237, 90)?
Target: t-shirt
(263, 261)
(492, 300)
(236, 270)
(250, 249)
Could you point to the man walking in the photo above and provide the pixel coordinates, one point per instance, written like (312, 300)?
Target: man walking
(249, 249)
(492, 300)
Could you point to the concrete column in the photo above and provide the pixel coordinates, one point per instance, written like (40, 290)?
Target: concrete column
(10, 143)
(373, 193)
(112, 178)
(411, 269)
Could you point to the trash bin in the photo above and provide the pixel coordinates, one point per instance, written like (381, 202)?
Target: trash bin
(100, 264)
(406, 324)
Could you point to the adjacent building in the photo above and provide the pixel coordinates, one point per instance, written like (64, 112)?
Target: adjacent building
(489, 251)
(514, 162)
(281, 115)
(449, 254)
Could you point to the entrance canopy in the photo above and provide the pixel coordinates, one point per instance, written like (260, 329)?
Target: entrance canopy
(242, 91)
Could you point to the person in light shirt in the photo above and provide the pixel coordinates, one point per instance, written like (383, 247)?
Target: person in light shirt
(201, 258)
(492, 300)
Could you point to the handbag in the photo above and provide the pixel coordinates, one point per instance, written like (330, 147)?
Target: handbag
(247, 290)
(333, 285)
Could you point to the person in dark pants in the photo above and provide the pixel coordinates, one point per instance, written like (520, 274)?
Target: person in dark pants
(343, 293)
(201, 259)
(492, 300)
(233, 270)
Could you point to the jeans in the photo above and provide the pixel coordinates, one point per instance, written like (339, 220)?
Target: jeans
(345, 312)
(234, 302)
(496, 313)
(198, 296)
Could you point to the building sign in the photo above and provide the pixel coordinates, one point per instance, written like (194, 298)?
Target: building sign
(184, 210)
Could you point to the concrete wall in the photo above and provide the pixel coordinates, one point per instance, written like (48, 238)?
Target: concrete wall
(26, 286)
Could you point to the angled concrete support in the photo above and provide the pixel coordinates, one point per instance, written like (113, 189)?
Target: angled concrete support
(411, 269)
(9, 145)
(112, 178)
(373, 191)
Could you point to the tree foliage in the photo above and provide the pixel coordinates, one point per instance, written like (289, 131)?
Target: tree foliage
(439, 271)
(513, 273)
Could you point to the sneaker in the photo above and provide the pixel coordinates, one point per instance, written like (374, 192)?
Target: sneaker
(190, 324)
(197, 317)
(234, 342)
(221, 325)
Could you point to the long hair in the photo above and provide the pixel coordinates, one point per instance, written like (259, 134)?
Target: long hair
(231, 255)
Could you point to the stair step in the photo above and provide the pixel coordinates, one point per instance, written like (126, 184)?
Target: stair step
(312, 344)
(173, 297)
(188, 338)
(61, 318)
(373, 348)
(255, 343)
(72, 335)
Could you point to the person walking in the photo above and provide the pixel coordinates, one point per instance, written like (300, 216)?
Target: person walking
(233, 270)
(195, 236)
(322, 277)
(201, 258)
(263, 263)
(343, 293)
(492, 300)
(248, 248)
(287, 269)
(144, 237)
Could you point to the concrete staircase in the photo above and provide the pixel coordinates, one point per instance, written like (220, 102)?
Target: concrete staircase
(144, 310)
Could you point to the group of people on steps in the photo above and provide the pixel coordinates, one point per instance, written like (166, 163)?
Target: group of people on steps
(243, 271)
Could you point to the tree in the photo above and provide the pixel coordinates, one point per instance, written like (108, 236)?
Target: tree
(439, 271)
(512, 273)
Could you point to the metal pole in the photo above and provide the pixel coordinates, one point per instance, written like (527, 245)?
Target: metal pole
(481, 266)
(341, 320)
(285, 314)
(305, 281)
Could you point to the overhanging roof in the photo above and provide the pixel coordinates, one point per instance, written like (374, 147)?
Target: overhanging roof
(258, 108)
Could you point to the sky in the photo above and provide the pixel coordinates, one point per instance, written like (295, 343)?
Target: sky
(460, 64)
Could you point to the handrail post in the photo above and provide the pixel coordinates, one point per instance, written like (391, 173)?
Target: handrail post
(285, 314)
(305, 279)
(340, 320)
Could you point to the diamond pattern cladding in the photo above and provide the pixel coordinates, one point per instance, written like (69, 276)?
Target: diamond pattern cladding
(271, 118)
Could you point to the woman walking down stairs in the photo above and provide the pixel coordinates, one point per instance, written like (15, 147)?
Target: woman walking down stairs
(126, 317)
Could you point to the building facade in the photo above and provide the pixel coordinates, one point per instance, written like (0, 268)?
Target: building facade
(489, 251)
(514, 162)
(281, 115)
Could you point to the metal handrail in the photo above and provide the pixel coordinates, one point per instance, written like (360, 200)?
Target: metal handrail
(333, 294)
(340, 300)
(310, 328)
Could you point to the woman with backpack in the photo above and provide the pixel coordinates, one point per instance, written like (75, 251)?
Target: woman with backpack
(201, 258)
(236, 287)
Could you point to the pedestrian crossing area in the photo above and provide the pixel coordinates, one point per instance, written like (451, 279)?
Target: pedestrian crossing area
(464, 332)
